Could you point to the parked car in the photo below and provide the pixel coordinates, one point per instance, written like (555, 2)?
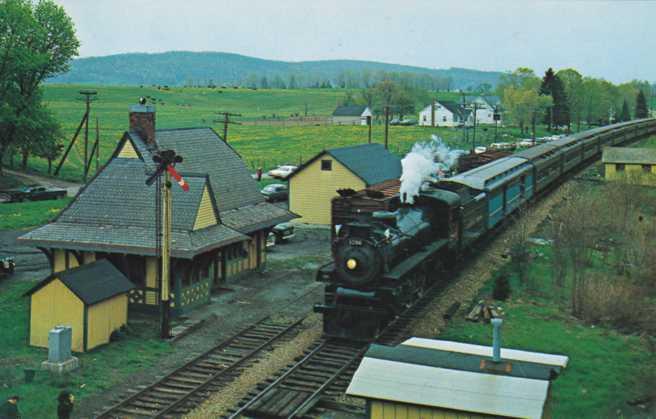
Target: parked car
(280, 233)
(32, 193)
(282, 172)
(7, 266)
(275, 192)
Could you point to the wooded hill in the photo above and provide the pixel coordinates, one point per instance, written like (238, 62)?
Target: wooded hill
(178, 68)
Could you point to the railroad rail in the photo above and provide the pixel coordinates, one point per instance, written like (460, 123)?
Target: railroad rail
(324, 372)
(185, 388)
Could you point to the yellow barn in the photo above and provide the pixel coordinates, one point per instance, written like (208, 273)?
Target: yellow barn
(630, 164)
(92, 299)
(315, 183)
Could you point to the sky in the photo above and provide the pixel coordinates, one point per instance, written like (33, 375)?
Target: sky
(614, 40)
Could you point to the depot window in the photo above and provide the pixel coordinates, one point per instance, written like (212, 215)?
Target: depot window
(619, 167)
(327, 165)
(646, 168)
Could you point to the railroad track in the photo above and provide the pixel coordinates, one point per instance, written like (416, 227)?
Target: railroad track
(322, 375)
(185, 388)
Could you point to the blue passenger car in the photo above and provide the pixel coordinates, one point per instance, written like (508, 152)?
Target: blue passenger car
(507, 184)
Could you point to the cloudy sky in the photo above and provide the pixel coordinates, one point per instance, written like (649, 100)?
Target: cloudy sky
(614, 40)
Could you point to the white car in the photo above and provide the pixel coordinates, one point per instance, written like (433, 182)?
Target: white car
(282, 172)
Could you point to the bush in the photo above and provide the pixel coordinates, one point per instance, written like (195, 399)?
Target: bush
(501, 290)
(616, 302)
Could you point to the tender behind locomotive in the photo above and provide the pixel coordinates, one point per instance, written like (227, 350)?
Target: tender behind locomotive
(384, 260)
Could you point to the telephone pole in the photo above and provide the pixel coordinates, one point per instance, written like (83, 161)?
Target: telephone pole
(227, 121)
(369, 127)
(89, 96)
(386, 126)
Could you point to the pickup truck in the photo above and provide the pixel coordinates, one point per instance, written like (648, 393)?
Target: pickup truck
(31, 193)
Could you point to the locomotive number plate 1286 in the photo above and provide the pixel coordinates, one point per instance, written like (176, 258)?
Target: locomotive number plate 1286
(355, 242)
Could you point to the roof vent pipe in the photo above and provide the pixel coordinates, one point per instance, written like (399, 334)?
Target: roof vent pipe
(496, 339)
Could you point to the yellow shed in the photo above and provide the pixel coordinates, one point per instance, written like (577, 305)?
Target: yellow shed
(92, 299)
(630, 164)
(317, 181)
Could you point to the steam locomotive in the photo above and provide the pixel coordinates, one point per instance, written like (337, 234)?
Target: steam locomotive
(383, 260)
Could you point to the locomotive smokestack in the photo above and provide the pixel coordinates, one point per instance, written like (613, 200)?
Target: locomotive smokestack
(422, 162)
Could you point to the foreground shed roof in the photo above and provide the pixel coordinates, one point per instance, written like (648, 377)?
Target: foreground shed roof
(449, 389)
(629, 155)
(91, 283)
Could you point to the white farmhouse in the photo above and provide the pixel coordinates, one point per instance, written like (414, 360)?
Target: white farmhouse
(446, 114)
(351, 115)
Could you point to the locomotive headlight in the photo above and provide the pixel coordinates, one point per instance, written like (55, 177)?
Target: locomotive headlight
(351, 264)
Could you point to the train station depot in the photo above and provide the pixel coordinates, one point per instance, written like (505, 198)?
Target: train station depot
(219, 226)
(92, 299)
(431, 378)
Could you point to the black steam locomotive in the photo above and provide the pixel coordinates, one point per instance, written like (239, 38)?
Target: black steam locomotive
(384, 260)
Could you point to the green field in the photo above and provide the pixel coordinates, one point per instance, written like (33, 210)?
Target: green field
(29, 214)
(101, 368)
(261, 145)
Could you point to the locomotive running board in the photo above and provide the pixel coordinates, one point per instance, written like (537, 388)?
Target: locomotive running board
(415, 260)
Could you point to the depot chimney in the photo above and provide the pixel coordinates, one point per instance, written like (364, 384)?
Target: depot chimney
(142, 121)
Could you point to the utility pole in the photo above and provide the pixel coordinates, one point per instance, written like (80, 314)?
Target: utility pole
(369, 127)
(89, 96)
(475, 106)
(226, 121)
(464, 122)
(386, 126)
(433, 113)
(97, 145)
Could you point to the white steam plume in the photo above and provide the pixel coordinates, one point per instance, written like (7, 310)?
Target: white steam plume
(424, 160)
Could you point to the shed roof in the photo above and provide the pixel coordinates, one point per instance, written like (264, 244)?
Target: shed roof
(350, 110)
(629, 155)
(91, 283)
(450, 389)
(481, 350)
(454, 108)
(370, 162)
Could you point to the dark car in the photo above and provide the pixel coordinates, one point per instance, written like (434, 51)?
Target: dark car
(33, 193)
(275, 192)
(280, 233)
(7, 266)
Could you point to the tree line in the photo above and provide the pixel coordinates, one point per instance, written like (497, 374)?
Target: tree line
(37, 41)
(565, 99)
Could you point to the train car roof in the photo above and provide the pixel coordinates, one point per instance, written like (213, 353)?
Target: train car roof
(480, 177)
(537, 151)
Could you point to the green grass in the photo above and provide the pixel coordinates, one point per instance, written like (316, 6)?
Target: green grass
(29, 214)
(100, 369)
(265, 146)
(606, 368)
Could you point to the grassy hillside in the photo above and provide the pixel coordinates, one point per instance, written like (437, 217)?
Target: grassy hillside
(260, 145)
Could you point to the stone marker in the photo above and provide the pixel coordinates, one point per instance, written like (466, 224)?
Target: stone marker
(59, 351)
